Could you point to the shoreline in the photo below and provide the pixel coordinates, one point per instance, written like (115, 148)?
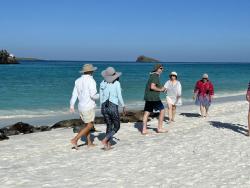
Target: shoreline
(54, 117)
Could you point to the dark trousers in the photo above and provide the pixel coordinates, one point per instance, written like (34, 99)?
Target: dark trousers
(111, 116)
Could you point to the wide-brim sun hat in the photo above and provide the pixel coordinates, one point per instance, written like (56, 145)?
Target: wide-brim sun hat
(173, 74)
(157, 66)
(110, 74)
(88, 68)
(205, 75)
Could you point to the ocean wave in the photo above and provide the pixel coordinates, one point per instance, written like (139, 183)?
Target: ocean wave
(8, 114)
(132, 105)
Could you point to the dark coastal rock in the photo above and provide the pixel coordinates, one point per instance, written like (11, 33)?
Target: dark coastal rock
(143, 58)
(132, 117)
(3, 136)
(76, 124)
(22, 128)
(6, 58)
(68, 123)
(42, 129)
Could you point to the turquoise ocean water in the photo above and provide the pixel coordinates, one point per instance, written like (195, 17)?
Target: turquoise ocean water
(42, 88)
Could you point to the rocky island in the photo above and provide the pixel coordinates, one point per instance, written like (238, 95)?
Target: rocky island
(7, 58)
(143, 58)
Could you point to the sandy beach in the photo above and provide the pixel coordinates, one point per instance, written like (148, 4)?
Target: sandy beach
(196, 152)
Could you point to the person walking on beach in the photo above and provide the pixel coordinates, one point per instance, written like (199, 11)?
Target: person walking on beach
(110, 98)
(248, 99)
(86, 93)
(203, 94)
(152, 99)
(173, 87)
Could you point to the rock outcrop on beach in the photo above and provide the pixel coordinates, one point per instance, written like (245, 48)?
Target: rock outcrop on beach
(129, 117)
(22, 128)
(76, 124)
(143, 58)
(3, 136)
(7, 58)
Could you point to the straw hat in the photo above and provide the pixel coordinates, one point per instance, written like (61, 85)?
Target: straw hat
(205, 76)
(173, 74)
(157, 66)
(110, 75)
(88, 68)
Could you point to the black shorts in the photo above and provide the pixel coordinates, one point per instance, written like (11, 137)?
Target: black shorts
(150, 106)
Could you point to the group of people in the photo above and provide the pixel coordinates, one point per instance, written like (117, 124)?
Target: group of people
(203, 94)
(110, 96)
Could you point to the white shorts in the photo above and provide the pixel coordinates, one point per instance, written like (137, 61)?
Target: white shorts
(88, 116)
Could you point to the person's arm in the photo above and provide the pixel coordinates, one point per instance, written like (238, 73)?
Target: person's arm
(196, 90)
(166, 85)
(119, 94)
(93, 91)
(120, 98)
(179, 90)
(248, 93)
(101, 96)
(211, 90)
(155, 88)
(73, 99)
(154, 81)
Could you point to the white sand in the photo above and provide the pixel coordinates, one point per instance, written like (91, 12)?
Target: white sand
(193, 154)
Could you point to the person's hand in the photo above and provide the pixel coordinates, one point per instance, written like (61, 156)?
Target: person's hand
(163, 89)
(194, 97)
(212, 97)
(248, 98)
(72, 110)
(124, 111)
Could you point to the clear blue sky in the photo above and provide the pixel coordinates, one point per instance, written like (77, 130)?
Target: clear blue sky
(170, 30)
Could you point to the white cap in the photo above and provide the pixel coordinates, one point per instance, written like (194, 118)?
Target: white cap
(173, 73)
(205, 75)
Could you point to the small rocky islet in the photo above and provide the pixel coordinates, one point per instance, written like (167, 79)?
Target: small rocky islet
(7, 58)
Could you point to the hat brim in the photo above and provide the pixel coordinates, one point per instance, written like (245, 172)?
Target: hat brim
(112, 78)
(173, 75)
(92, 70)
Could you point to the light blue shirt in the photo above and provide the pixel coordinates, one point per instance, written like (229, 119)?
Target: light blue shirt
(111, 92)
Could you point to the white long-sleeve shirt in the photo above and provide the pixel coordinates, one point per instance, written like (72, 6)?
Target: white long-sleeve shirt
(174, 91)
(86, 93)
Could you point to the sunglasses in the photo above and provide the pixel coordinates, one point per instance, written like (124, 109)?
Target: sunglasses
(161, 68)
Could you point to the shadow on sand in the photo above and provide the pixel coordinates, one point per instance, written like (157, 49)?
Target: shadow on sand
(139, 126)
(100, 137)
(190, 114)
(234, 127)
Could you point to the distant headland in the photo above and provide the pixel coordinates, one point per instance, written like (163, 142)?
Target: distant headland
(28, 59)
(143, 58)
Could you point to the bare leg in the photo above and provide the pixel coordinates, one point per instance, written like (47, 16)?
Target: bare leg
(89, 141)
(249, 122)
(170, 112)
(145, 120)
(173, 112)
(202, 108)
(107, 145)
(84, 132)
(160, 122)
(105, 141)
(206, 109)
